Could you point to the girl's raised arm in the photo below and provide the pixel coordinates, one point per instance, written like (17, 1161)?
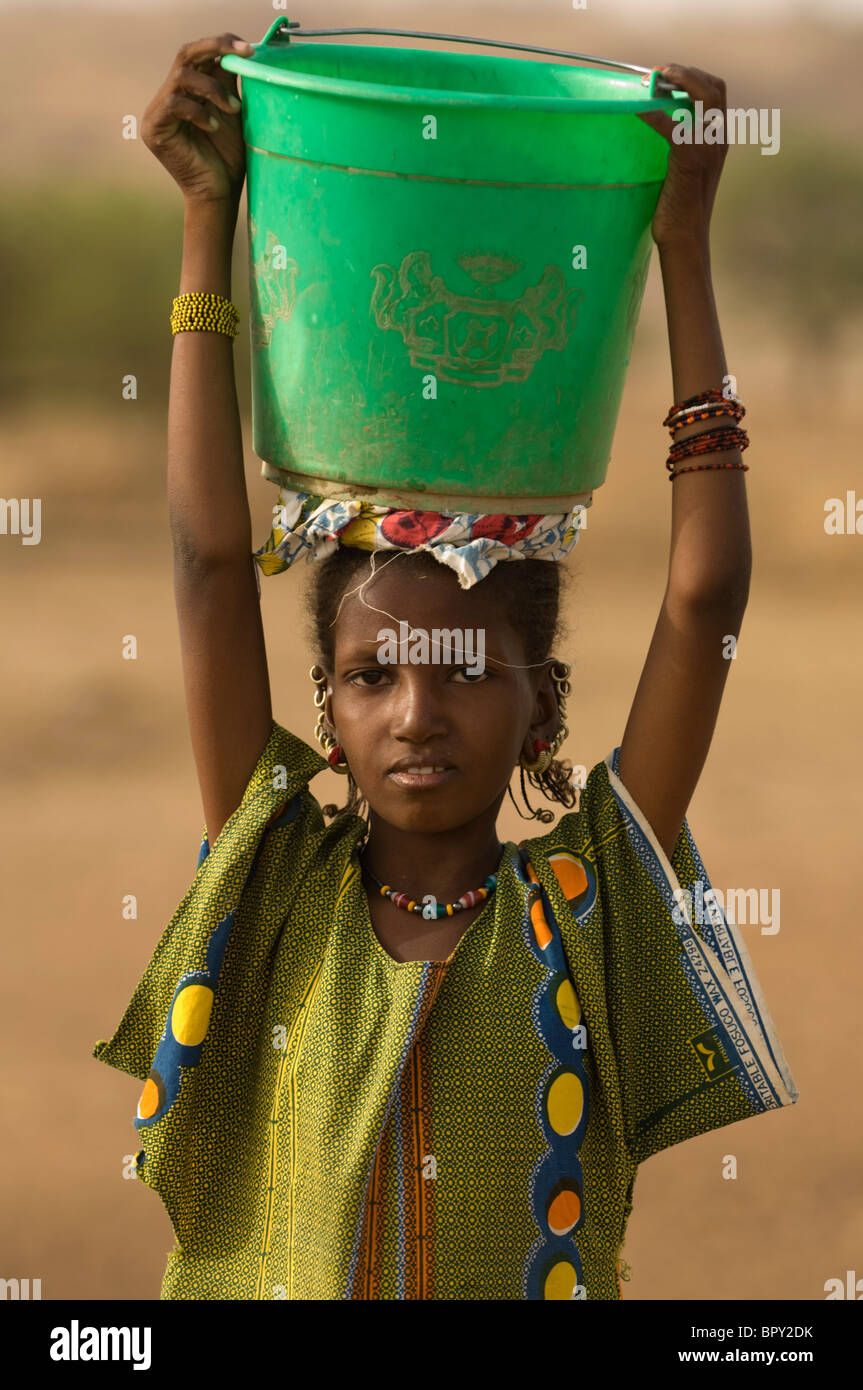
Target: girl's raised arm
(193, 128)
(670, 727)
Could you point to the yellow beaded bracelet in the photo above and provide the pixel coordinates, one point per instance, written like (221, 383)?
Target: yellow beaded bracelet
(202, 311)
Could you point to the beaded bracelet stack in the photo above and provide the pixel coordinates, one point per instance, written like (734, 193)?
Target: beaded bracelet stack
(706, 406)
(201, 311)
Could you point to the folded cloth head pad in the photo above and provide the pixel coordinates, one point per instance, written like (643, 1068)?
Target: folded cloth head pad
(470, 543)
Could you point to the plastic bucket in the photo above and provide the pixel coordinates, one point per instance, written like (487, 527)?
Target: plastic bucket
(448, 256)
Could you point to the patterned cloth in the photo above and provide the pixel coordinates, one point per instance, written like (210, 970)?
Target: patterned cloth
(469, 543)
(323, 1122)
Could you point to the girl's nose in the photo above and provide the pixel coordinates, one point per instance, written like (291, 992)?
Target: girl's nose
(418, 710)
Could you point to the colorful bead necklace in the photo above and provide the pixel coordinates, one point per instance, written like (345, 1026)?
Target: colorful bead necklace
(403, 900)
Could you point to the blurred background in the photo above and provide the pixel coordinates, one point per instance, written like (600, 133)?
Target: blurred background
(100, 794)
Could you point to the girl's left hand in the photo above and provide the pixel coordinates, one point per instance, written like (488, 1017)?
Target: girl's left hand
(686, 201)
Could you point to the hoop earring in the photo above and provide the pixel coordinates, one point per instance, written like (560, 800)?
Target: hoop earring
(333, 751)
(541, 761)
(545, 753)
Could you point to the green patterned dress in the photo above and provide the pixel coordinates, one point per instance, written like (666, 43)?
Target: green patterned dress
(324, 1122)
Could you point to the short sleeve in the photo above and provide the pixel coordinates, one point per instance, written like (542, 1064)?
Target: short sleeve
(674, 1012)
(169, 1012)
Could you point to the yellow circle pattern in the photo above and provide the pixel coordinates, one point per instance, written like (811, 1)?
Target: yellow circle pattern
(568, 1007)
(565, 1103)
(190, 1016)
(561, 1281)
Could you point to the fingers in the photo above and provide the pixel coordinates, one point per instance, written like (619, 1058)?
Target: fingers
(197, 63)
(199, 84)
(192, 92)
(182, 108)
(701, 86)
(207, 51)
(658, 121)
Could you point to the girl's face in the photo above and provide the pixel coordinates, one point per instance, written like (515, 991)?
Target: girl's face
(431, 746)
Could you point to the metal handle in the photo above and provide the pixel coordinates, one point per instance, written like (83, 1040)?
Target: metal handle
(291, 28)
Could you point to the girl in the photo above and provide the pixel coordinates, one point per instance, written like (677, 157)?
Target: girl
(388, 1056)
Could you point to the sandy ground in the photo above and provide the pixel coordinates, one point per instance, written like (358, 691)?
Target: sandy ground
(101, 801)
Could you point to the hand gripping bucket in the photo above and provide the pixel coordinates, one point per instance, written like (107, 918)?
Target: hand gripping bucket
(448, 256)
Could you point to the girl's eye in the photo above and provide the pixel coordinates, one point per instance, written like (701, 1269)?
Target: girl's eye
(371, 678)
(464, 676)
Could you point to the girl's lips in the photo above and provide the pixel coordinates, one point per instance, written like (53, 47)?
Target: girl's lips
(420, 780)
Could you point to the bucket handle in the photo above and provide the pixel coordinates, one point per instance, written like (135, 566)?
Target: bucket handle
(285, 29)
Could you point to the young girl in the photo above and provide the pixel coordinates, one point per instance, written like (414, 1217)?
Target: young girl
(391, 1057)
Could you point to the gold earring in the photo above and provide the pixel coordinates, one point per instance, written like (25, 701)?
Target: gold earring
(545, 753)
(560, 674)
(332, 750)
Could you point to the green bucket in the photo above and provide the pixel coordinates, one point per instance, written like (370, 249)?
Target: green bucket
(448, 253)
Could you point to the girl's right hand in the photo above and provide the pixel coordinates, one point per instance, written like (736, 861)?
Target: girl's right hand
(192, 124)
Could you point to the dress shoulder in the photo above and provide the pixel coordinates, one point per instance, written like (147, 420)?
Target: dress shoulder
(677, 1019)
(258, 860)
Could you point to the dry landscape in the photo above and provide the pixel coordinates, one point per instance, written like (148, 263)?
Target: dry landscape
(100, 796)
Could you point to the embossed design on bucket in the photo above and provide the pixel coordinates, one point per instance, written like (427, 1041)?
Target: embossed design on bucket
(470, 339)
(273, 289)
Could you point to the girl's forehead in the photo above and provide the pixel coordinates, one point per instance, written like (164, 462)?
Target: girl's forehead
(402, 595)
(427, 600)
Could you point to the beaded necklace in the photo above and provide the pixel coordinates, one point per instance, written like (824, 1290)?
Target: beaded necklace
(403, 900)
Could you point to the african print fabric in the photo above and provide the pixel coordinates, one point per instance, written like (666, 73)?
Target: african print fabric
(324, 1122)
(469, 543)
